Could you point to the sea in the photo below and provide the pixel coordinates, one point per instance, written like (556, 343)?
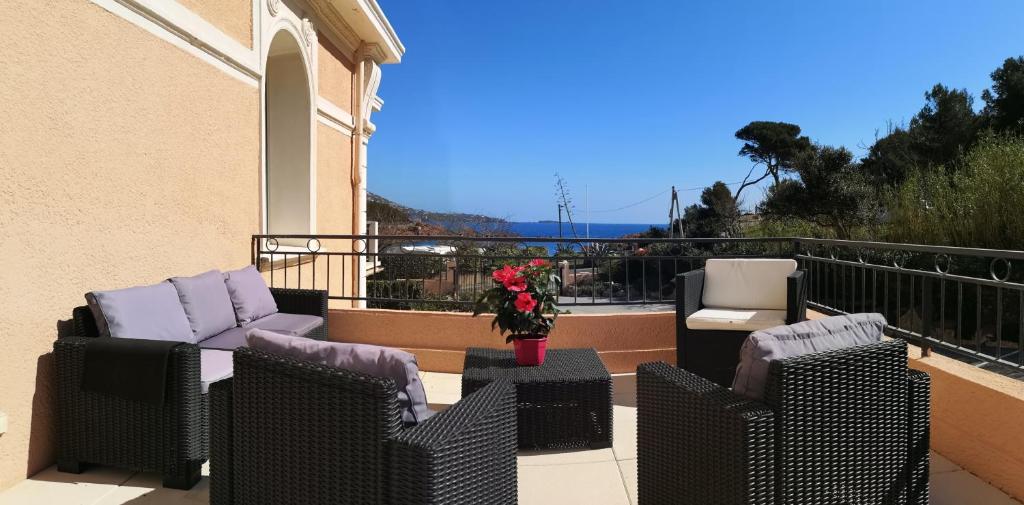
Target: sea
(597, 230)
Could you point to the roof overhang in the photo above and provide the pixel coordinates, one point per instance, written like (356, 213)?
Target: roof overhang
(362, 24)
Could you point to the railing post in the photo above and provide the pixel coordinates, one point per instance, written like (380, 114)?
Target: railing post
(926, 316)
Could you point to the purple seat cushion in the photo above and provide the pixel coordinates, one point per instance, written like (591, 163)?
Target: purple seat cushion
(377, 361)
(214, 365)
(228, 341)
(295, 325)
(148, 312)
(206, 303)
(249, 294)
(787, 341)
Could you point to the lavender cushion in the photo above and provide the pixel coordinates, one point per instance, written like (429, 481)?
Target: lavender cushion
(148, 312)
(295, 325)
(227, 341)
(214, 365)
(394, 364)
(206, 302)
(781, 342)
(249, 294)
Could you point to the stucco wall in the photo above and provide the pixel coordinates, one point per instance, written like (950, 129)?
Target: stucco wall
(123, 160)
(977, 420)
(335, 72)
(439, 339)
(233, 17)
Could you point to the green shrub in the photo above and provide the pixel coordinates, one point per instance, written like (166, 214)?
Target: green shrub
(397, 289)
(980, 205)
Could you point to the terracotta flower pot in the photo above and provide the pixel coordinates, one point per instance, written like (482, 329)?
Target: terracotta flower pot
(530, 349)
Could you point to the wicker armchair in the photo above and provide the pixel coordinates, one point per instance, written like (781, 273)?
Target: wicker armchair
(714, 353)
(173, 439)
(837, 427)
(292, 432)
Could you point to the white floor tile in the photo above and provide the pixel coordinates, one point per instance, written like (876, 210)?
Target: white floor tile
(579, 483)
(628, 470)
(624, 432)
(939, 464)
(963, 488)
(535, 458)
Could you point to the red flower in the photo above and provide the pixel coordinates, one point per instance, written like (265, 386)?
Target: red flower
(515, 284)
(525, 302)
(505, 273)
(510, 277)
(539, 262)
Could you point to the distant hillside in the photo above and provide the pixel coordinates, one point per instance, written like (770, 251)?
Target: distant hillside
(398, 219)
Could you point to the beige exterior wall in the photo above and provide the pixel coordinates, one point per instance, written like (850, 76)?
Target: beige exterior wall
(124, 160)
(976, 420)
(335, 71)
(439, 339)
(233, 17)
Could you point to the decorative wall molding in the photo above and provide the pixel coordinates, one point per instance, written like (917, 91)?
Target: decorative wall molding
(308, 32)
(186, 30)
(273, 7)
(335, 117)
(342, 33)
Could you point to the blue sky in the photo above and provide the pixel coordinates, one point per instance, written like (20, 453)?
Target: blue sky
(493, 98)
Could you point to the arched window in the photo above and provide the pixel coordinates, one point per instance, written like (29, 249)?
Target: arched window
(287, 112)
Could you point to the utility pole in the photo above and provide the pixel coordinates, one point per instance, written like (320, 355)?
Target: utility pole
(675, 215)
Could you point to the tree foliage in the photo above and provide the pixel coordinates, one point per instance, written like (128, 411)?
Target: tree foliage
(1004, 102)
(945, 127)
(715, 216)
(772, 145)
(832, 192)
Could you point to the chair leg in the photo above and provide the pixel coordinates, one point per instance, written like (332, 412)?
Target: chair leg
(69, 466)
(185, 476)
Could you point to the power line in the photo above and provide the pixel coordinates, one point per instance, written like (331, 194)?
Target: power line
(652, 197)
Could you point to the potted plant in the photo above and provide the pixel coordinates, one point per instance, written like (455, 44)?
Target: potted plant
(523, 304)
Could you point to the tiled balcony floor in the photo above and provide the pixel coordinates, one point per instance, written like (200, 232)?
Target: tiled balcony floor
(601, 477)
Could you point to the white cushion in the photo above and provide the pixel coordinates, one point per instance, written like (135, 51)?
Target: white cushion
(747, 283)
(735, 319)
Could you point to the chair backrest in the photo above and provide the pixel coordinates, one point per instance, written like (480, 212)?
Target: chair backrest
(308, 433)
(746, 283)
(841, 416)
(84, 322)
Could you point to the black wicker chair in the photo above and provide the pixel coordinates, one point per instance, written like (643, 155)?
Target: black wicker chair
(173, 439)
(714, 354)
(292, 432)
(838, 427)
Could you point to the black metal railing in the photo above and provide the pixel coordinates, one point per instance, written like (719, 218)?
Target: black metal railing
(965, 301)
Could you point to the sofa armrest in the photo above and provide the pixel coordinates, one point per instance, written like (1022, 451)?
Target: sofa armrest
(698, 442)
(221, 442)
(689, 290)
(473, 442)
(311, 302)
(920, 428)
(100, 428)
(796, 297)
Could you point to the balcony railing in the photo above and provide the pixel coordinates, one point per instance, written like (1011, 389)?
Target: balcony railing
(964, 301)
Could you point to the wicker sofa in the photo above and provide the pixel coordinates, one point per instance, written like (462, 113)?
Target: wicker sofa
(172, 438)
(738, 296)
(842, 426)
(288, 431)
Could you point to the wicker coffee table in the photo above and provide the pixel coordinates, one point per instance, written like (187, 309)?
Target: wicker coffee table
(564, 403)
